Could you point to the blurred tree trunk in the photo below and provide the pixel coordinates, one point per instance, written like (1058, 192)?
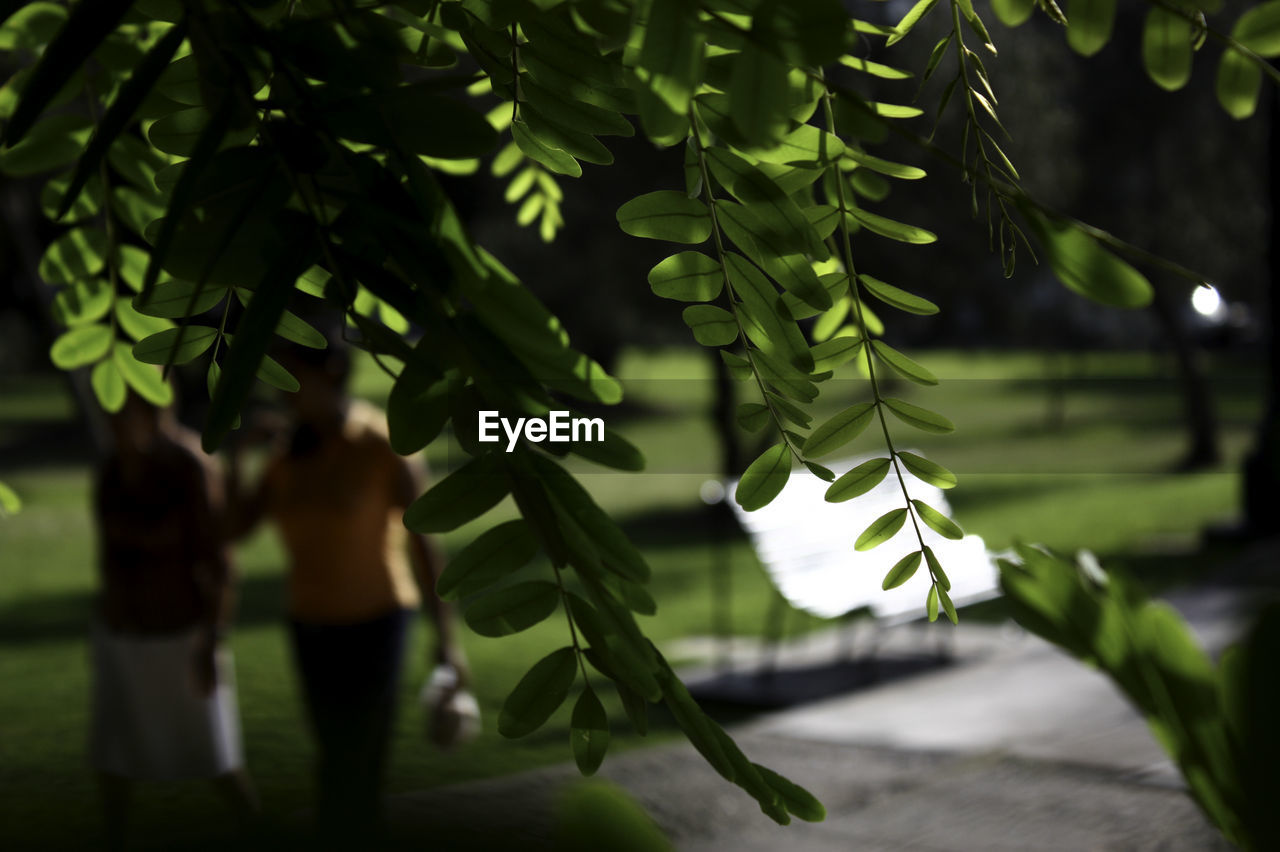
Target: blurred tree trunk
(1262, 465)
(1197, 401)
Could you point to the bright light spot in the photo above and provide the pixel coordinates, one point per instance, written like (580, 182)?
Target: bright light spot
(711, 492)
(1206, 300)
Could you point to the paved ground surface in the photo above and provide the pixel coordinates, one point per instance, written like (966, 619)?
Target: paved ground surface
(1013, 747)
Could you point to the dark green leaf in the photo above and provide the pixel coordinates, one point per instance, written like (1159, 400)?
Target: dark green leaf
(839, 430)
(764, 478)
(160, 348)
(1084, 265)
(753, 416)
(589, 732)
(758, 97)
(666, 215)
(921, 418)
(1166, 48)
(488, 559)
(173, 299)
(513, 608)
(86, 27)
(1089, 24)
(122, 109)
(689, 276)
(795, 798)
(881, 529)
(464, 494)
(534, 147)
(1238, 84)
(538, 694)
(769, 328)
(902, 571)
(711, 326)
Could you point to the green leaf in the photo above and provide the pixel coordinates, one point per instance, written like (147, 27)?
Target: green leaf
(174, 299)
(900, 231)
(902, 571)
(418, 406)
(875, 69)
(914, 15)
(935, 568)
(108, 385)
(834, 352)
(555, 159)
(937, 521)
(86, 27)
(689, 276)
(489, 558)
(897, 298)
(580, 115)
(273, 373)
(76, 255)
(512, 609)
(1013, 13)
(859, 481)
(839, 430)
(779, 217)
(759, 97)
(931, 603)
(670, 58)
(881, 529)
(753, 416)
(1238, 84)
(921, 418)
(806, 146)
(901, 364)
(884, 167)
(10, 502)
(589, 732)
(1259, 29)
(764, 478)
(82, 302)
(666, 215)
(1166, 48)
(804, 32)
(145, 379)
(122, 110)
(136, 325)
(54, 143)
(711, 326)
(1084, 265)
(464, 494)
(947, 606)
(80, 346)
(191, 342)
(926, 470)
(413, 119)
(256, 328)
(769, 327)
(538, 694)
(1089, 24)
(795, 798)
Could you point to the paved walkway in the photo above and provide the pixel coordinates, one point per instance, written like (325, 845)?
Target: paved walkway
(1016, 747)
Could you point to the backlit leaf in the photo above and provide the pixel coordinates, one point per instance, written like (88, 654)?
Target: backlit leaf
(839, 430)
(881, 529)
(764, 478)
(902, 571)
(666, 215)
(859, 481)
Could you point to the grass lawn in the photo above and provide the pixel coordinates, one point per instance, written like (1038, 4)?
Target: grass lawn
(1083, 463)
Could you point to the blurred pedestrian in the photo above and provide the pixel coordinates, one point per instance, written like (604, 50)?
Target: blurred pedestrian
(336, 493)
(164, 700)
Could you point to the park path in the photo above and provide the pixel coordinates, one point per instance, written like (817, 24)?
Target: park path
(1014, 747)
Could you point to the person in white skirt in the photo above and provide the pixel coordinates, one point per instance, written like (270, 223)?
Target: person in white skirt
(164, 700)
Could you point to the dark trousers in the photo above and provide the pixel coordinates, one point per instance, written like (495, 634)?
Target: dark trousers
(350, 676)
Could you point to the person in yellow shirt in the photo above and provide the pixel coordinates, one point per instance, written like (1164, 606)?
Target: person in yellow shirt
(336, 493)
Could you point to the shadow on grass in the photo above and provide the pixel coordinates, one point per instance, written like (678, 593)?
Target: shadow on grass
(51, 618)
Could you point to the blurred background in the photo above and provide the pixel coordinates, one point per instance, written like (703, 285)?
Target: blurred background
(1078, 426)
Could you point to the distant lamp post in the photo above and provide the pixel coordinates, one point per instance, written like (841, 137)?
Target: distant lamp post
(1208, 303)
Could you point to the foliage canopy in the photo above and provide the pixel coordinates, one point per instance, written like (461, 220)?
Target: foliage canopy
(210, 160)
